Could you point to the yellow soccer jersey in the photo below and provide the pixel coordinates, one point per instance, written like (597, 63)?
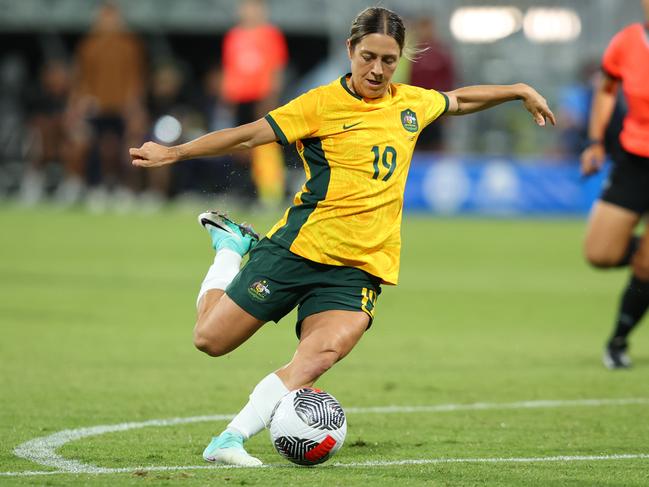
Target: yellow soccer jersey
(356, 155)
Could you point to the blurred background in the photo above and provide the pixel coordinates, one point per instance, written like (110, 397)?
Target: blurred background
(83, 80)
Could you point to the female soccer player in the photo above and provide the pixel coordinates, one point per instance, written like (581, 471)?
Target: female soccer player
(340, 240)
(610, 240)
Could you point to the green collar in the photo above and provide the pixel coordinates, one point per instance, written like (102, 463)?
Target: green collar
(343, 81)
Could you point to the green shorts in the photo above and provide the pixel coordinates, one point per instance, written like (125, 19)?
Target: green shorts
(275, 280)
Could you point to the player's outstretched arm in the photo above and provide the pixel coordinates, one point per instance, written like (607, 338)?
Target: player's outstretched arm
(216, 143)
(471, 99)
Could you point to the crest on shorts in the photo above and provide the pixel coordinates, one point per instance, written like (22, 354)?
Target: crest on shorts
(259, 290)
(409, 120)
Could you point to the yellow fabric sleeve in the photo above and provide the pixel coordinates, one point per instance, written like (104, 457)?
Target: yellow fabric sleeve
(298, 119)
(435, 105)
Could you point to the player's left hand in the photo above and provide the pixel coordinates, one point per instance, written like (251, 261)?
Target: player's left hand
(151, 155)
(538, 107)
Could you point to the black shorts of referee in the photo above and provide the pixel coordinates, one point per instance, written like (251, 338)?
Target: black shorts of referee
(628, 183)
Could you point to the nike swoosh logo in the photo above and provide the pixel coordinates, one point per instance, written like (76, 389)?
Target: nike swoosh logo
(345, 126)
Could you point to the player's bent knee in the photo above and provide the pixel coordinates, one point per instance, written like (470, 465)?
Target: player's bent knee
(601, 259)
(210, 345)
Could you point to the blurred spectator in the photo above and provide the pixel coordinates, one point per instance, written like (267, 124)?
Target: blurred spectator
(433, 69)
(172, 118)
(50, 137)
(254, 58)
(13, 74)
(215, 177)
(211, 102)
(108, 93)
(165, 108)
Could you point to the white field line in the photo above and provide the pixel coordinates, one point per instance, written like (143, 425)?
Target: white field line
(43, 450)
(441, 408)
(386, 463)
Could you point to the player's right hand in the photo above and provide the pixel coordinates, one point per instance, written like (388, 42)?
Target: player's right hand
(151, 154)
(537, 106)
(592, 159)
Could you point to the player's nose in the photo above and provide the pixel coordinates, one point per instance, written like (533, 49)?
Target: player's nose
(377, 68)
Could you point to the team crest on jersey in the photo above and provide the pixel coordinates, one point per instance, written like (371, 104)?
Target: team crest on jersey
(259, 290)
(409, 120)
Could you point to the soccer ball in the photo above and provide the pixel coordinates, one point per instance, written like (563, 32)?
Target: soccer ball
(308, 426)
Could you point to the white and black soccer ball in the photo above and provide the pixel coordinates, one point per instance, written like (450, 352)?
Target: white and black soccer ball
(308, 426)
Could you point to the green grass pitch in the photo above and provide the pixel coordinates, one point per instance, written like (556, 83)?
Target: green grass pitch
(96, 314)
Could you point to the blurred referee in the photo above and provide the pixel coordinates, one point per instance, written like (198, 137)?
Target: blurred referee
(610, 238)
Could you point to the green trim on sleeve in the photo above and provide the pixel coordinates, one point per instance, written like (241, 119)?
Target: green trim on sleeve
(446, 102)
(278, 131)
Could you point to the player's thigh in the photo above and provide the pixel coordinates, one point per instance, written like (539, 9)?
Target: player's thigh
(224, 327)
(609, 229)
(263, 290)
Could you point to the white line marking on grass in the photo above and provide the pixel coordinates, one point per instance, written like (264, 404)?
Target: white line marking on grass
(559, 458)
(387, 463)
(43, 450)
(441, 408)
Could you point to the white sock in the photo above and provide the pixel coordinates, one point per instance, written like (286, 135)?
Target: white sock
(255, 415)
(226, 265)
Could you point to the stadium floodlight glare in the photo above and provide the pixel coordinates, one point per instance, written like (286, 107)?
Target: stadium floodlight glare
(551, 24)
(167, 129)
(485, 24)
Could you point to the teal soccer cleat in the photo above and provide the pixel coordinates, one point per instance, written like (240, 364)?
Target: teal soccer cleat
(227, 449)
(227, 234)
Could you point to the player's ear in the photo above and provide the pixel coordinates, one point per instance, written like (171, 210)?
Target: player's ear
(349, 49)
